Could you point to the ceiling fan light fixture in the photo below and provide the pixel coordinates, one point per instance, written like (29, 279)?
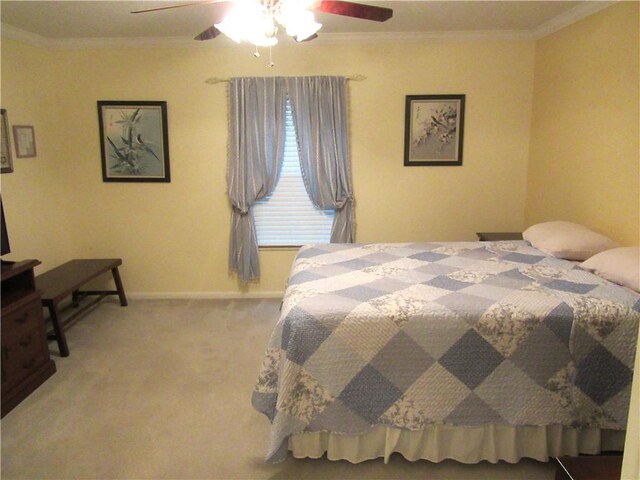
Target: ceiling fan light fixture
(255, 21)
(246, 21)
(232, 25)
(296, 17)
(261, 40)
(230, 30)
(303, 27)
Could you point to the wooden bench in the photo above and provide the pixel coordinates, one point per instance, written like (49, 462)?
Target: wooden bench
(57, 284)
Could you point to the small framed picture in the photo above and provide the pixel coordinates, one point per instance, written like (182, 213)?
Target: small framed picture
(134, 141)
(433, 130)
(25, 140)
(6, 163)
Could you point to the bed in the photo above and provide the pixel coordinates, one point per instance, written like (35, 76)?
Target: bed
(465, 350)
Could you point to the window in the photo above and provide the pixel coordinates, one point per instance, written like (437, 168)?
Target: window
(287, 217)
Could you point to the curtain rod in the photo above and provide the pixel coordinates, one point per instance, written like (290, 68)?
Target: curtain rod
(215, 80)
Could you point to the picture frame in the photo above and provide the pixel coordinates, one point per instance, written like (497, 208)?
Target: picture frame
(6, 162)
(25, 141)
(134, 141)
(434, 128)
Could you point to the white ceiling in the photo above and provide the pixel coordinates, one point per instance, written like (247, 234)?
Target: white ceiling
(62, 21)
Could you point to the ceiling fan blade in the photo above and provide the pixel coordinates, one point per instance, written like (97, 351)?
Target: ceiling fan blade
(356, 10)
(180, 5)
(208, 34)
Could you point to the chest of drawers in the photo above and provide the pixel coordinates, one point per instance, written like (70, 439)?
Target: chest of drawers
(24, 359)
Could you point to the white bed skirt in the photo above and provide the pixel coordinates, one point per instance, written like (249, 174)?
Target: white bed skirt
(464, 444)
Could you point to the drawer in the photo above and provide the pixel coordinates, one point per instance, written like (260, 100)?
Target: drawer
(18, 322)
(498, 236)
(22, 355)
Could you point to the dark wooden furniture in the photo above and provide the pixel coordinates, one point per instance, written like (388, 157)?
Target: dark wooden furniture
(25, 353)
(589, 467)
(496, 236)
(57, 284)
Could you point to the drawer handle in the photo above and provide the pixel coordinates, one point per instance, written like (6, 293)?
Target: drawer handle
(22, 318)
(26, 340)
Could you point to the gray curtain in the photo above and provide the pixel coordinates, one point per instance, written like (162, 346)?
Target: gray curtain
(319, 107)
(256, 143)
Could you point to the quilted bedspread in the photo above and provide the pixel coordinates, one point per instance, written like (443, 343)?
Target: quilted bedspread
(466, 333)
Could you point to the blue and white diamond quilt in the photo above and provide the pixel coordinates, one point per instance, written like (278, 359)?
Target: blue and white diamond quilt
(466, 333)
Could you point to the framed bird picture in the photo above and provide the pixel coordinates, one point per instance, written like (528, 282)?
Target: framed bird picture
(134, 141)
(433, 129)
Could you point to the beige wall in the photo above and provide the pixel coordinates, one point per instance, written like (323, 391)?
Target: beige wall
(36, 196)
(584, 163)
(174, 237)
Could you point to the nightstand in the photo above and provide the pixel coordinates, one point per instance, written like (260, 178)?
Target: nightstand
(589, 467)
(496, 236)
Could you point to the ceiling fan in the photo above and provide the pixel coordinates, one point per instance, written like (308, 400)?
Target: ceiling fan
(256, 20)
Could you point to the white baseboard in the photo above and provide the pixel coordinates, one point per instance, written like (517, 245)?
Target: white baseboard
(202, 295)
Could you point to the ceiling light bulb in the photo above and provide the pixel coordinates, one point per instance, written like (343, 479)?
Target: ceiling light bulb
(307, 29)
(229, 30)
(232, 24)
(301, 24)
(268, 26)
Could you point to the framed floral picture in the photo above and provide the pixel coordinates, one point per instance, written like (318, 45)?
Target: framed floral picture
(433, 129)
(134, 141)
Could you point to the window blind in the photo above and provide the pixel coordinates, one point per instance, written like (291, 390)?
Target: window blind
(287, 217)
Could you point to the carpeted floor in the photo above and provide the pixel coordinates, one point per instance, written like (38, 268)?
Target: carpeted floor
(161, 389)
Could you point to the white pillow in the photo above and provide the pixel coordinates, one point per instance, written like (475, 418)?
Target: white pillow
(567, 240)
(619, 265)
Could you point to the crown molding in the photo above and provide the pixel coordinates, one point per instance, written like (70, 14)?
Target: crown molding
(14, 33)
(123, 42)
(35, 40)
(569, 17)
(412, 37)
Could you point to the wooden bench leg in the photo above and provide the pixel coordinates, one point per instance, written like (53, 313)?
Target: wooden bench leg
(119, 287)
(58, 330)
(75, 295)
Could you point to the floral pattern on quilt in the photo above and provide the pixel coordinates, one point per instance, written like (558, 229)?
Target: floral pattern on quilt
(406, 414)
(268, 378)
(305, 398)
(505, 326)
(599, 317)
